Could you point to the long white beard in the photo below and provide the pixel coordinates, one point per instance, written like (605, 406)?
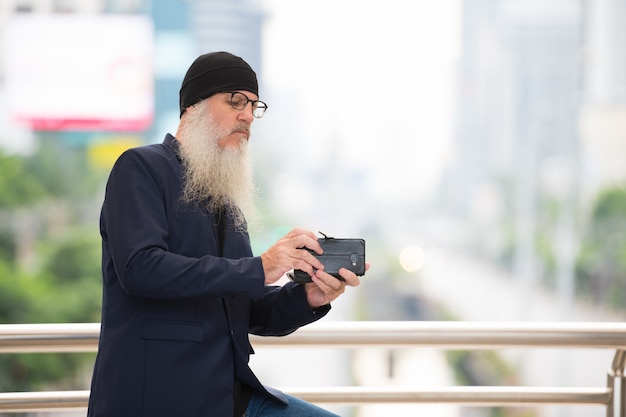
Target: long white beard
(216, 178)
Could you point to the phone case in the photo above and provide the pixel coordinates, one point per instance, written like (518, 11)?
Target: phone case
(338, 253)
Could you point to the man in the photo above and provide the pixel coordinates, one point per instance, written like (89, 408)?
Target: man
(181, 287)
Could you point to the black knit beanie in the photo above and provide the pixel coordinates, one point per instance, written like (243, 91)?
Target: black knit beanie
(216, 72)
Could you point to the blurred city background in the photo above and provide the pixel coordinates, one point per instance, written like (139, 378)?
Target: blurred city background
(478, 146)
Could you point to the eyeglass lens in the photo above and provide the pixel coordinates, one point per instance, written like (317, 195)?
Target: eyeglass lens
(239, 101)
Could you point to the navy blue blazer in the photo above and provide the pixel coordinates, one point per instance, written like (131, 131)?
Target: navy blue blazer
(177, 308)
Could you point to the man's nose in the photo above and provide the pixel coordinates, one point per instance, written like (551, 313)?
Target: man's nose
(246, 114)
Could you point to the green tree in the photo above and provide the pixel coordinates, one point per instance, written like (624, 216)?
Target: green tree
(18, 185)
(53, 193)
(601, 267)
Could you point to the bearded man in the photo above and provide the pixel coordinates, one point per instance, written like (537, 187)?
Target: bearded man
(182, 289)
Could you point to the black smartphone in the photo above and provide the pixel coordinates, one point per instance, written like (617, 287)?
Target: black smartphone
(338, 253)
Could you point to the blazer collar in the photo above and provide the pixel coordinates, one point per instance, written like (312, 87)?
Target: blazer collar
(171, 142)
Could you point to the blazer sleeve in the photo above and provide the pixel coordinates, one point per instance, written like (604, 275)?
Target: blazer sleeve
(137, 237)
(283, 310)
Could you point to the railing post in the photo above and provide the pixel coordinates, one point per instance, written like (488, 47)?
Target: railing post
(610, 384)
(615, 383)
(620, 395)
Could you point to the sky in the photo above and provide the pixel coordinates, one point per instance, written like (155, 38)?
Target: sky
(372, 80)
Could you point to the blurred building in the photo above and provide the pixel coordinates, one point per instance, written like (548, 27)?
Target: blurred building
(179, 31)
(603, 121)
(518, 93)
(541, 93)
(541, 127)
(517, 141)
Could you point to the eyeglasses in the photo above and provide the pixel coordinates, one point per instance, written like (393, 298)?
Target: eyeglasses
(239, 101)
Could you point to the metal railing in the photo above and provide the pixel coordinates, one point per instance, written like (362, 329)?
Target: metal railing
(20, 338)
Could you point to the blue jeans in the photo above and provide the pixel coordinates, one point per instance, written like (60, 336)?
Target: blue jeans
(262, 406)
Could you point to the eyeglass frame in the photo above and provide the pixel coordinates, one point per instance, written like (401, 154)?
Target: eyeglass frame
(254, 102)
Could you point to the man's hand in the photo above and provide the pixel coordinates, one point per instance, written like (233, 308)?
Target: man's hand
(325, 288)
(288, 254)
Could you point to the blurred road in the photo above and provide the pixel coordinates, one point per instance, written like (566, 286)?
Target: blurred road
(473, 291)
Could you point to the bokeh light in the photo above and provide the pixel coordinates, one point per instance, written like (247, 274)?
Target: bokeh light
(412, 258)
